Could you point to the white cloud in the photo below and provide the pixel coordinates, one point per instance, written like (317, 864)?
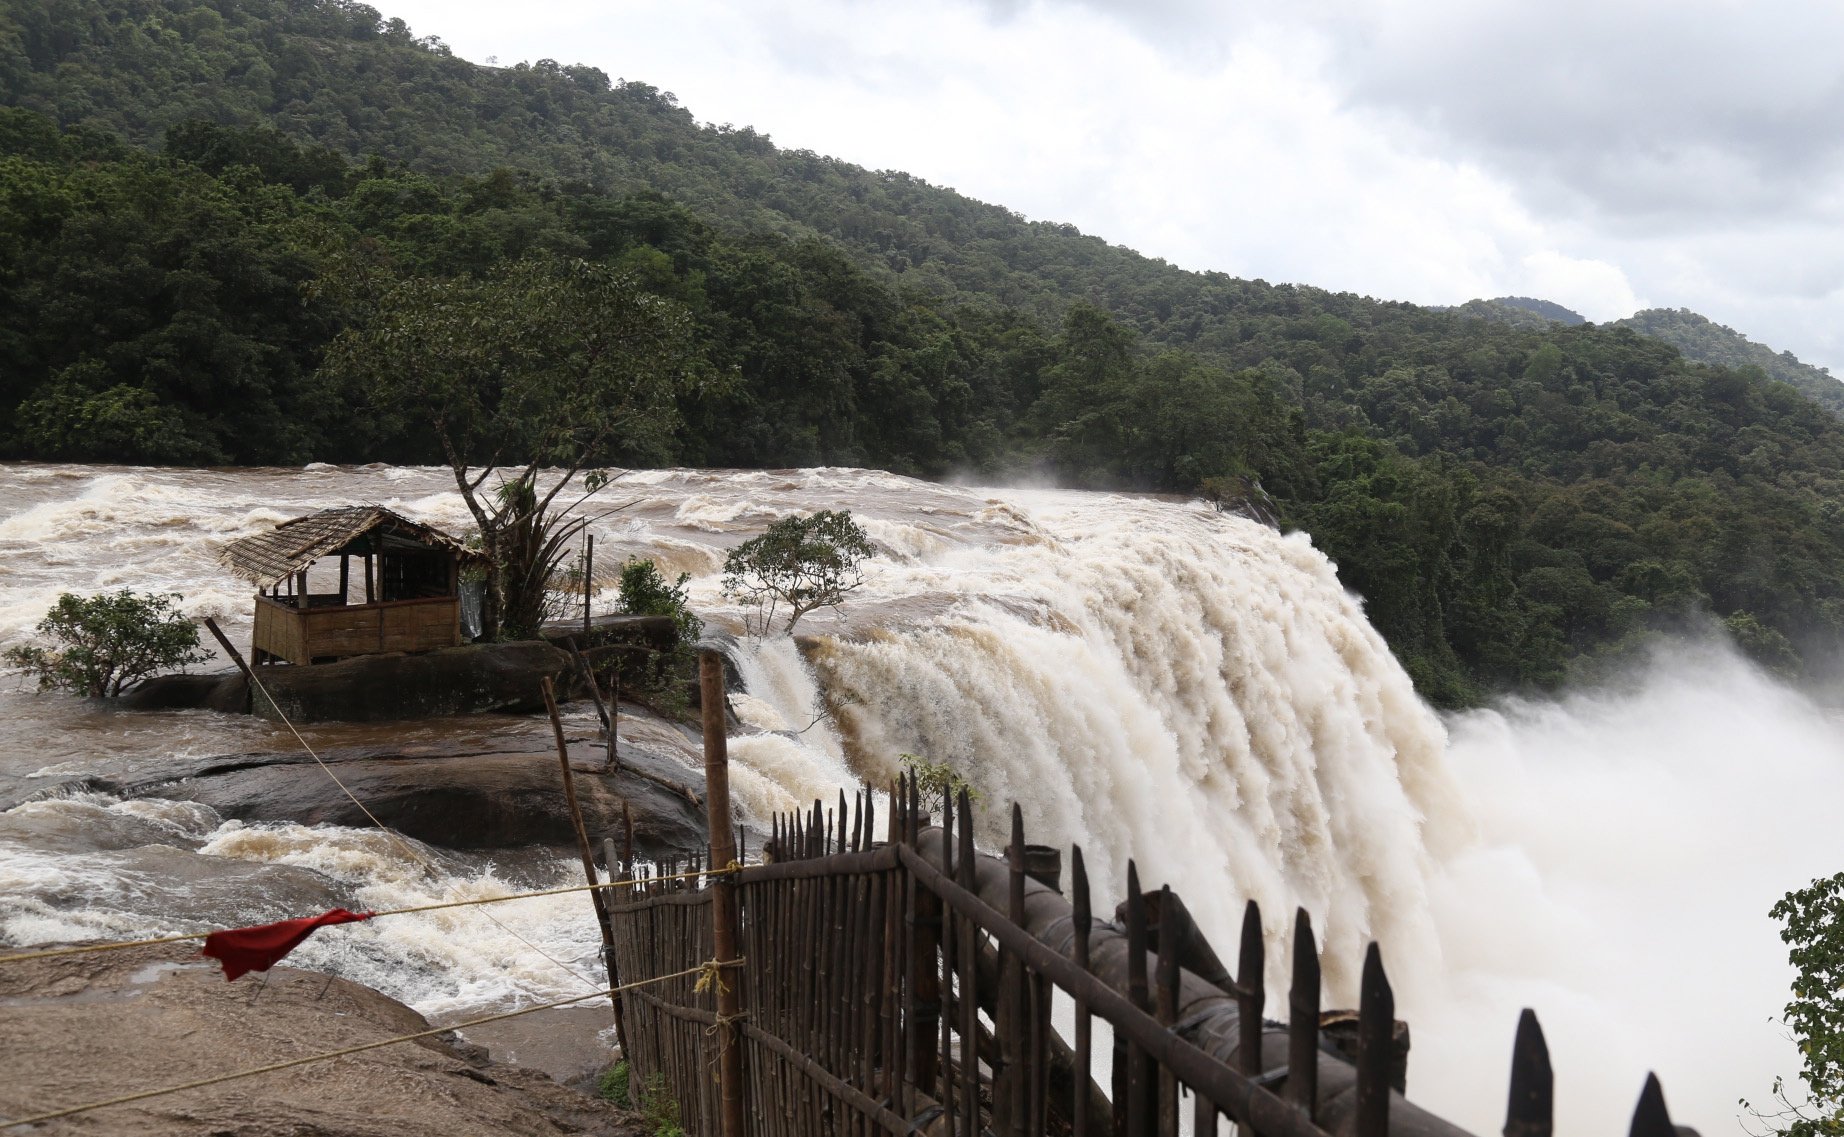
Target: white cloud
(1601, 290)
(1605, 156)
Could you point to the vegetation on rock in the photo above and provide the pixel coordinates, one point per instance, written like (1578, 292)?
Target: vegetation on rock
(644, 592)
(800, 564)
(101, 644)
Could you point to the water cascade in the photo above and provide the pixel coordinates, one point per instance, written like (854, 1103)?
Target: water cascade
(1149, 678)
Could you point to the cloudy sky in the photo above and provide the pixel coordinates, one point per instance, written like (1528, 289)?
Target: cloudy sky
(1607, 155)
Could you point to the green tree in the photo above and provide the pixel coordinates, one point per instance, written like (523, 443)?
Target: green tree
(1812, 921)
(545, 365)
(802, 563)
(100, 644)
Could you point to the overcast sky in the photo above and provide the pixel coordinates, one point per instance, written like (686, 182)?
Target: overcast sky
(1609, 155)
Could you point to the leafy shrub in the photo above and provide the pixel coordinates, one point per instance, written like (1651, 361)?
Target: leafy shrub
(613, 1085)
(801, 562)
(938, 779)
(103, 643)
(662, 1112)
(644, 592)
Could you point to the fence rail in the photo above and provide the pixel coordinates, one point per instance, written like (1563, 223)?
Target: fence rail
(909, 984)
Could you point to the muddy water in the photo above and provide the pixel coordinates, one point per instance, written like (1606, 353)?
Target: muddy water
(1145, 677)
(88, 866)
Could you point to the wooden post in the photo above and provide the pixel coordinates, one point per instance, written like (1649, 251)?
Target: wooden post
(370, 593)
(249, 677)
(1303, 1019)
(1529, 1111)
(1249, 967)
(723, 890)
(345, 576)
(588, 574)
(1376, 1023)
(582, 843)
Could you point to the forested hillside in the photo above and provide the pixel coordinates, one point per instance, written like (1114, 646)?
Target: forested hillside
(185, 186)
(1702, 339)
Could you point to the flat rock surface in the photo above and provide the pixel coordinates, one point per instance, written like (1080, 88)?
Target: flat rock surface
(574, 1045)
(496, 794)
(86, 1028)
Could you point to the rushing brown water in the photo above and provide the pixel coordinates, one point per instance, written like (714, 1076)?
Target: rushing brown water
(1145, 676)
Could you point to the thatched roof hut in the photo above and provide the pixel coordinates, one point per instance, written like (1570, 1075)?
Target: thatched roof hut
(411, 575)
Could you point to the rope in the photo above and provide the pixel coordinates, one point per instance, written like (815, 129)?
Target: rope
(119, 945)
(331, 1054)
(428, 865)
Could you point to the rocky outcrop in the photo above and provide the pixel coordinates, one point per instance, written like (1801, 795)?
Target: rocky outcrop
(495, 795)
(83, 1028)
(187, 691)
(390, 687)
(394, 686)
(379, 688)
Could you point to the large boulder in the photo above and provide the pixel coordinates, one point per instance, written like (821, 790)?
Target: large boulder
(503, 796)
(226, 691)
(379, 688)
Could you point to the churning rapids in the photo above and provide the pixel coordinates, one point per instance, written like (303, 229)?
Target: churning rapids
(1148, 677)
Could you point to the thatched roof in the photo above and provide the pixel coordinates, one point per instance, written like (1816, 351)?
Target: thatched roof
(266, 559)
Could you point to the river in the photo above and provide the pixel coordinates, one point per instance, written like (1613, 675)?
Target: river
(1145, 676)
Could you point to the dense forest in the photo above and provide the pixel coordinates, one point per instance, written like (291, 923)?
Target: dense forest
(185, 187)
(1701, 338)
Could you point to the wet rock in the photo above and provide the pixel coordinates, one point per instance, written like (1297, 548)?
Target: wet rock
(380, 688)
(504, 795)
(174, 692)
(657, 632)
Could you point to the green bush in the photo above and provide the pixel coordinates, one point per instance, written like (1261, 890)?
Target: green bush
(938, 780)
(661, 1110)
(613, 1085)
(644, 592)
(103, 643)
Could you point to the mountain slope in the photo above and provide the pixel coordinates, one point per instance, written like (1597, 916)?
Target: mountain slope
(1706, 341)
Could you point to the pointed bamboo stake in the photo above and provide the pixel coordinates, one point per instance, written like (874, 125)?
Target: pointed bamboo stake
(1529, 1113)
(1376, 1025)
(1249, 967)
(1303, 1018)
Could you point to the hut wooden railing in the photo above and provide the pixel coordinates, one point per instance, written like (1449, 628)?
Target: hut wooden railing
(909, 984)
(336, 631)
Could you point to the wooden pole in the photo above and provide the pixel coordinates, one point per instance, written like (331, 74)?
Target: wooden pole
(588, 574)
(723, 891)
(345, 576)
(230, 649)
(582, 843)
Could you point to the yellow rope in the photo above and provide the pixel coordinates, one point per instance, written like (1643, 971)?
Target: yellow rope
(85, 949)
(293, 1062)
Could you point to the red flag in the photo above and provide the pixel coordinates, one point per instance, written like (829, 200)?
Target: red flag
(262, 947)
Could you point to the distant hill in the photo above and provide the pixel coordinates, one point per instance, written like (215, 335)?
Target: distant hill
(1706, 341)
(1698, 337)
(1521, 311)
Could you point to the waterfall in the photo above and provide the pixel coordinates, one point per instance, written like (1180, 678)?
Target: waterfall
(1162, 682)
(1148, 678)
